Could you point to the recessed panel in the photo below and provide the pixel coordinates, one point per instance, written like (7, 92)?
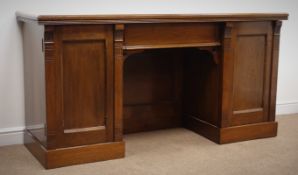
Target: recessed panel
(249, 73)
(83, 83)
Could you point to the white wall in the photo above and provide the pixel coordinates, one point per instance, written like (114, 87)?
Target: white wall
(11, 64)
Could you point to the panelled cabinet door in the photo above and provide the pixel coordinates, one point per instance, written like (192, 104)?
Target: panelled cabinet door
(84, 84)
(251, 72)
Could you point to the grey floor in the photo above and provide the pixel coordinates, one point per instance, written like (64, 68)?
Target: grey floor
(178, 152)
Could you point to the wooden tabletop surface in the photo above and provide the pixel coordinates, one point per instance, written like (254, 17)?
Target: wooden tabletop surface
(148, 18)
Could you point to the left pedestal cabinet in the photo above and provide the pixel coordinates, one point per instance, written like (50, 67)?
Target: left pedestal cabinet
(69, 88)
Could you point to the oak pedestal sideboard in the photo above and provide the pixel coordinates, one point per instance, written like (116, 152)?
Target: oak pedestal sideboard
(90, 79)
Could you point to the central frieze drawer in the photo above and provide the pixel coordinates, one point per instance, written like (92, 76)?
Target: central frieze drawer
(170, 33)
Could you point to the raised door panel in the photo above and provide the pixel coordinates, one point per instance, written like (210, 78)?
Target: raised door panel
(252, 59)
(85, 84)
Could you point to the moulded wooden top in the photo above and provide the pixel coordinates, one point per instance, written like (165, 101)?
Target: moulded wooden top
(149, 18)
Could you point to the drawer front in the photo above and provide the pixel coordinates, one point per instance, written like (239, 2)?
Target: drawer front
(171, 33)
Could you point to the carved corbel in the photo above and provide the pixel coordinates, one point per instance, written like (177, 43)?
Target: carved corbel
(214, 52)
